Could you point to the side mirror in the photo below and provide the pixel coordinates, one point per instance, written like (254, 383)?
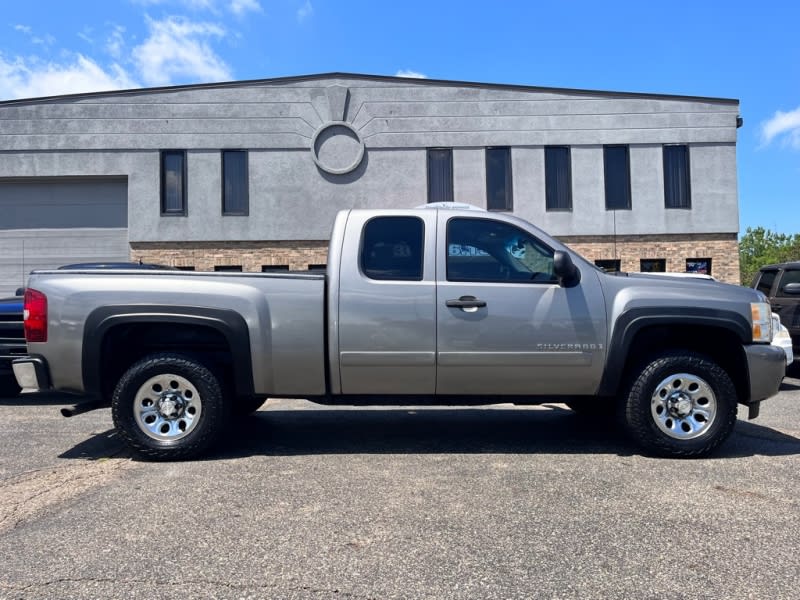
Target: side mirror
(793, 289)
(20, 292)
(568, 274)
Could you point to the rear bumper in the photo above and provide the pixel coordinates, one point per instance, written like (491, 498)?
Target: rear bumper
(32, 372)
(8, 354)
(766, 366)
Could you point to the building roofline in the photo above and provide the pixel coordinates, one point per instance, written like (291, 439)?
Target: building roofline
(385, 78)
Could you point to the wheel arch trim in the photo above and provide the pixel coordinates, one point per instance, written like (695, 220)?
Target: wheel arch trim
(632, 321)
(230, 324)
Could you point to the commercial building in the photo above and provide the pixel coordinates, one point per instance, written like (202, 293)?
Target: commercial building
(249, 175)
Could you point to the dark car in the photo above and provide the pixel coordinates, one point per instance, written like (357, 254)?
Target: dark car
(781, 285)
(12, 342)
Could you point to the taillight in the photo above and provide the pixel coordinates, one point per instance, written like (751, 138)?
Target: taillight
(35, 316)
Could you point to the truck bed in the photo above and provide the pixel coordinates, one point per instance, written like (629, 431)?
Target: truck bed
(279, 310)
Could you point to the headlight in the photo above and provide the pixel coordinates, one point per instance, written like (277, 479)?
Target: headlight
(761, 318)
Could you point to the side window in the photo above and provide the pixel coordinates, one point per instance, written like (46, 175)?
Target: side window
(486, 250)
(173, 182)
(765, 282)
(392, 248)
(788, 277)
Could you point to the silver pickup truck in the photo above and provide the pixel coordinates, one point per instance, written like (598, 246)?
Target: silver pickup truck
(442, 305)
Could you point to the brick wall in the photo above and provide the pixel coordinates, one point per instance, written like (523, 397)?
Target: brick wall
(204, 256)
(722, 249)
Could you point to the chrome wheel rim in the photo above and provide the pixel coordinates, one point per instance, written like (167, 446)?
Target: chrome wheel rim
(167, 407)
(684, 406)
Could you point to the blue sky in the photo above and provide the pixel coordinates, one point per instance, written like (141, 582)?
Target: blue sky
(744, 50)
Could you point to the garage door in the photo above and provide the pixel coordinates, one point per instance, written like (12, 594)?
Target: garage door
(46, 223)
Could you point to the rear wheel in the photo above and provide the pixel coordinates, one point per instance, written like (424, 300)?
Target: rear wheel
(680, 405)
(169, 407)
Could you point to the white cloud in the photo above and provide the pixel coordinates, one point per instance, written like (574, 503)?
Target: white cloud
(240, 7)
(410, 74)
(305, 12)
(785, 125)
(178, 50)
(116, 41)
(21, 78)
(41, 40)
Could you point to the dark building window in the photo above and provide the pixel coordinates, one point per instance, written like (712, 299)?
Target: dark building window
(698, 265)
(185, 268)
(440, 175)
(558, 178)
(235, 188)
(274, 268)
(609, 265)
(677, 190)
(228, 268)
(392, 248)
(173, 182)
(617, 170)
(653, 265)
(318, 267)
(499, 190)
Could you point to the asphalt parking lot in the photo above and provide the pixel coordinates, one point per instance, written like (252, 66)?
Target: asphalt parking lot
(304, 501)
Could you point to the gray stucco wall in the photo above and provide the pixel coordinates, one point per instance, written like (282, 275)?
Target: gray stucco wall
(397, 119)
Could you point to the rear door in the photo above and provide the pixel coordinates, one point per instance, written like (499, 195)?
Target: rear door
(387, 304)
(504, 324)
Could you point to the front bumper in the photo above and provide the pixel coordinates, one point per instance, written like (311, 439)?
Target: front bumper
(766, 366)
(31, 372)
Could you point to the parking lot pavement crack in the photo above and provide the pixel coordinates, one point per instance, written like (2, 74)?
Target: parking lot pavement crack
(29, 494)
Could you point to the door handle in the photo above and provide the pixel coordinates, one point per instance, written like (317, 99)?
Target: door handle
(466, 302)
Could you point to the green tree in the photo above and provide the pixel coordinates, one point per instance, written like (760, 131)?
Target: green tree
(759, 247)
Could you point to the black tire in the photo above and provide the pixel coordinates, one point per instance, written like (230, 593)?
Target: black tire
(666, 417)
(169, 407)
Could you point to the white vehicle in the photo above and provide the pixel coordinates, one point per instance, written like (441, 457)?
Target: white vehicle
(782, 338)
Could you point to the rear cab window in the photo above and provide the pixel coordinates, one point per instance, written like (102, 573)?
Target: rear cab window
(392, 249)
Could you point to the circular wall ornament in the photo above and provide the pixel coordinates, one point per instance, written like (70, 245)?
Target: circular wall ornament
(337, 148)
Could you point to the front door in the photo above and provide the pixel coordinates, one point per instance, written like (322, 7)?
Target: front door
(504, 324)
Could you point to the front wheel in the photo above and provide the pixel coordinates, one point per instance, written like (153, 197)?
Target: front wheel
(169, 407)
(680, 405)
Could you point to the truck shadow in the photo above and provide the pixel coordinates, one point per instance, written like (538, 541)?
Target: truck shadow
(456, 431)
(437, 431)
